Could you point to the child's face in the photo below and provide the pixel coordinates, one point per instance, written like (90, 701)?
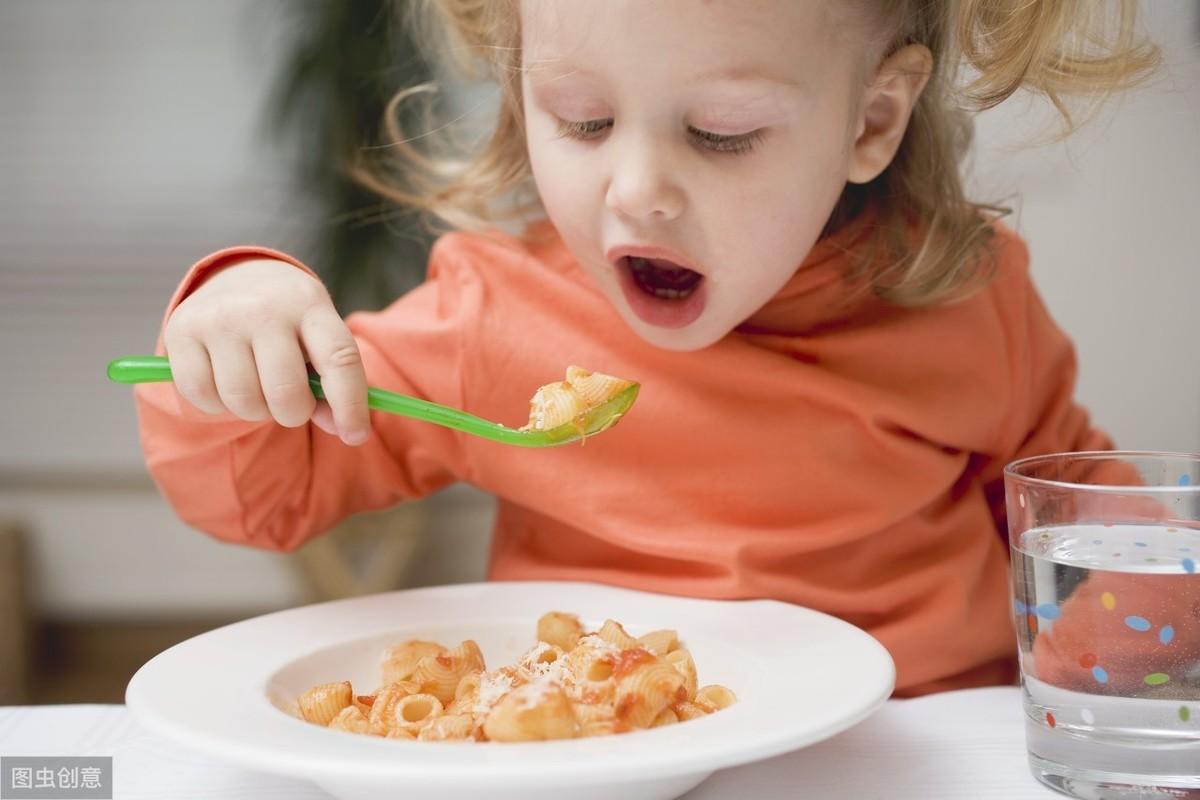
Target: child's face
(720, 133)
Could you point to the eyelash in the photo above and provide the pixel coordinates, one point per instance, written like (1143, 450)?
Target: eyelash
(717, 143)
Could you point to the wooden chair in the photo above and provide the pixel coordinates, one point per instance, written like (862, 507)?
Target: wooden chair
(366, 553)
(15, 649)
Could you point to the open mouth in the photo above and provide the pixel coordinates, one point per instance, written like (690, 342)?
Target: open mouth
(662, 292)
(661, 278)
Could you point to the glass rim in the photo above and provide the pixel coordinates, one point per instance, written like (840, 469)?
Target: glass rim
(1011, 470)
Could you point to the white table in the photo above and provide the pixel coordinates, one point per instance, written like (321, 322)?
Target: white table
(967, 744)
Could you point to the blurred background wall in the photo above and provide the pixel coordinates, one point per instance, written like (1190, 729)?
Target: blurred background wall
(132, 143)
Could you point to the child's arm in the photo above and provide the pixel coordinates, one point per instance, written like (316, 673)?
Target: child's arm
(1044, 418)
(1040, 412)
(262, 484)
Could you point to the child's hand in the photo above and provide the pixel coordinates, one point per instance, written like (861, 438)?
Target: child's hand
(240, 341)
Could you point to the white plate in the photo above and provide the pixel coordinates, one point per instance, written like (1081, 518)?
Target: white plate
(800, 676)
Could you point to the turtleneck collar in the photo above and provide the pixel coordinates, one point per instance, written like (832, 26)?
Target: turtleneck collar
(822, 291)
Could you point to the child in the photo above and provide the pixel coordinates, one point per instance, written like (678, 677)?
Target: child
(752, 208)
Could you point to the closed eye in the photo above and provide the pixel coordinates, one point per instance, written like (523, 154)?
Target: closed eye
(721, 143)
(591, 129)
(586, 130)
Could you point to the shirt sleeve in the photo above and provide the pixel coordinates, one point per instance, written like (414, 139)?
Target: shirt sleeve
(1040, 415)
(263, 485)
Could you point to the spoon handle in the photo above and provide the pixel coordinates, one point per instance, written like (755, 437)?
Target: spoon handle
(156, 369)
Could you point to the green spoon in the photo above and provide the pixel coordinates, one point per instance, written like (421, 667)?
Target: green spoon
(152, 369)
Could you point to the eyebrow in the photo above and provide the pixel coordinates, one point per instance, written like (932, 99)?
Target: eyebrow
(550, 70)
(542, 72)
(748, 75)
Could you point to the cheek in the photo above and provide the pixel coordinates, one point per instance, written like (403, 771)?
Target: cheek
(775, 218)
(562, 178)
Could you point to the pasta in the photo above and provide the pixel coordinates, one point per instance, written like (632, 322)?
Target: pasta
(384, 703)
(531, 712)
(714, 698)
(321, 704)
(352, 720)
(646, 686)
(440, 674)
(400, 661)
(660, 642)
(561, 630)
(565, 401)
(681, 660)
(571, 684)
(612, 632)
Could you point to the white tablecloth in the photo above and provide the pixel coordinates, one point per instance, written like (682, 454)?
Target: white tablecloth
(967, 744)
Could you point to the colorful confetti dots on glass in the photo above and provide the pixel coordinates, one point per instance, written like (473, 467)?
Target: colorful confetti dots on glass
(1048, 611)
(1050, 720)
(1140, 544)
(1189, 566)
(1108, 601)
(1166, 634)
(1184, 713)
(1138, 623)
(1087, 660)
(1087, 716)
(1097, 541)
(1020, 607)
(1100, 674)
(1185, 480)
(1156, 678)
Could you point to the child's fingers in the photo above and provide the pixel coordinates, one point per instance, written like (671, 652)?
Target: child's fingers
(322, 417)
(334, 354)
(283, 376)
(192, 374)
(237, 378)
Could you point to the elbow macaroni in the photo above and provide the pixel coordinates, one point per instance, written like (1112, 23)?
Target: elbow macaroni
(571, 684)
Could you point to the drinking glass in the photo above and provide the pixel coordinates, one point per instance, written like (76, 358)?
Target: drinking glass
(1106, 600)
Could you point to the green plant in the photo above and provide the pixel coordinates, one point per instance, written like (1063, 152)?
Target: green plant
(347, 59)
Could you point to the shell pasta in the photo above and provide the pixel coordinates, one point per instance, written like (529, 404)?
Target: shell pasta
(571, 684)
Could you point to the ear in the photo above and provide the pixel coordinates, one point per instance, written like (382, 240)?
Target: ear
(886, 108)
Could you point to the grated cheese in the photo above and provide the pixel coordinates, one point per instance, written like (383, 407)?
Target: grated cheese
(492, 686)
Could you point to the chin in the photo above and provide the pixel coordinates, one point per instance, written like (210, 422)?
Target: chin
(697, 336)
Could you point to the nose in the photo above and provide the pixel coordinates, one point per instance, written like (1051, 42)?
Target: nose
(641, 185)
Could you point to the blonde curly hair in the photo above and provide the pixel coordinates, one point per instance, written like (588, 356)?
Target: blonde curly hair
(927, 242)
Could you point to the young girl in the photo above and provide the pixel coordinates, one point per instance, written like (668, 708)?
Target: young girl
(752, 208)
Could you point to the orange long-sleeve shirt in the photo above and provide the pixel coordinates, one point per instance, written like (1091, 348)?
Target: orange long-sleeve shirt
(834, 451)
